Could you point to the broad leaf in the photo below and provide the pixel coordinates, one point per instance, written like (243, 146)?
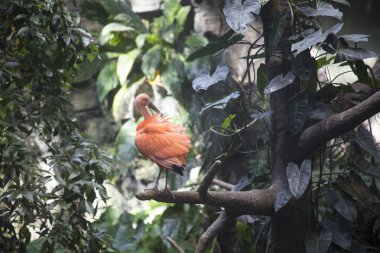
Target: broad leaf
(303, 66)
(297, 111)
(344, 2)
(282, 198)
(355, 37)
(222, 102)
(106, 33)
(151, 61)
(298, 179)
(262, 79)
(223, 42)
(170, 9)
(107, 80)
(343, 205)
(125, 63)
(315, 243)
(341, 232)
(279, 82)
(204, 81)
(238, 15)
(314, 38)
(353, 54)
(323, 9)
(125, 142)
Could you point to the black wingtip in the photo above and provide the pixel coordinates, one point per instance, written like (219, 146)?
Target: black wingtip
(178, 169)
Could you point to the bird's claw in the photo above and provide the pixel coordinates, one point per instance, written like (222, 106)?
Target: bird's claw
(166, 190)
(155, 189)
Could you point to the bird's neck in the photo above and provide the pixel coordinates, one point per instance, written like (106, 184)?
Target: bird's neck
(144, 111)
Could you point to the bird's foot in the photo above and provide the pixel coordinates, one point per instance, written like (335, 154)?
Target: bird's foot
(166, 190)
(154, 189)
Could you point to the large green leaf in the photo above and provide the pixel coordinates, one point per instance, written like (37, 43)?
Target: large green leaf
(151, 61)
(106, 33)
(315, 243)
(341, 232)
(238, 15)
(222, 102)
(262, 79)
(126, 150)
(303, 65)
(107, 80)
(279, 82)
(343, 205)
(170, 9)
(125, 63)
(296, 113)
(228, 39)
(298, 179)
(204, 81)
(323, 9)
(282, 198)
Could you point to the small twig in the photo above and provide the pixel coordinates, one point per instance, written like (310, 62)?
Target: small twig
(212, 231)
(175, 245)
(207, 180)
(223, 184)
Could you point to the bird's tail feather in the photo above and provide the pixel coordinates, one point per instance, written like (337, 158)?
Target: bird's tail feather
(178, 169)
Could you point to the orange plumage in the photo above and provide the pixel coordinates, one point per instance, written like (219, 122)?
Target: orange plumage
(159, 139)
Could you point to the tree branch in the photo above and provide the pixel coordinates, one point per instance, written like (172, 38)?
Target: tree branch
(335, 125)
(207, 180)
(258, 202)
(223, 184)
(175, 245)
(212, 231)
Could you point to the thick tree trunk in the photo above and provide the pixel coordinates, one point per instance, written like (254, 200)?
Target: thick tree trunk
(289, 226)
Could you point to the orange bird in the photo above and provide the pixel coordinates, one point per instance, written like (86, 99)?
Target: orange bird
(160, 140)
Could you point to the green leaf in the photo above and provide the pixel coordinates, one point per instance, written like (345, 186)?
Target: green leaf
(140, 40)
(28, 195)
(204, 81)
(296, 113)
(89, 207)
(125, 64)
(355, 37)
(227, 122)
(323, 9)
(238, 15)
(303, 65)
(315, 243)
(344, 2)
(126, 150)
(170, 9)
(314, 39)
(106, 33)
(151, 61)
(343, 205)
(221, 103)
(181, 17)
(282, 198)
(107, 80)
(341, 232)
(262, 79)
(223, 42)
(196, 40)
(298, 179)
(279, 82)
(353, 54)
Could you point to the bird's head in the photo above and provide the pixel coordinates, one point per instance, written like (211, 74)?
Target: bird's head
(143, 100)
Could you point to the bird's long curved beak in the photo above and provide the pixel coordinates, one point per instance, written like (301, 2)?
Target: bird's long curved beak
(154, 108)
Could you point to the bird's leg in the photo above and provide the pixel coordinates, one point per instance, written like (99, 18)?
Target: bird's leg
(155, 188)
(166, 184)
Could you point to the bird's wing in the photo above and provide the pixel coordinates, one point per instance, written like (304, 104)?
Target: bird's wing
(162, 140)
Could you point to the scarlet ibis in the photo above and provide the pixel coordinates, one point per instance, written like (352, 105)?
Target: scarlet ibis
(160, 140)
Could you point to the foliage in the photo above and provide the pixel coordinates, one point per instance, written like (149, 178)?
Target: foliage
(345, 192)
(51, 177)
